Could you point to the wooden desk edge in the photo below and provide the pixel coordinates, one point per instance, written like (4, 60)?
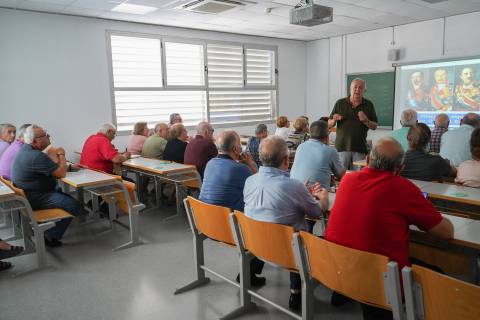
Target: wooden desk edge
(87, 184)
(136, 166)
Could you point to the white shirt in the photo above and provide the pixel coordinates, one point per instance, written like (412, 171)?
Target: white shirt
(282, 132)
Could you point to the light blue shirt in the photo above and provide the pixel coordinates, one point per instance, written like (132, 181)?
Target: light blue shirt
(401, 136)
(271, 196)
(316, 162)
(455, 145)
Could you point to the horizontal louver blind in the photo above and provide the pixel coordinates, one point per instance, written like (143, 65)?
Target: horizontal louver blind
(260, 67)
(185, 64)
(136, 62)
(156, 106)
(241, 106)
(225, 66)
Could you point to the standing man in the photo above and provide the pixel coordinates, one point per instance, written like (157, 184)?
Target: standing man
(353, 115)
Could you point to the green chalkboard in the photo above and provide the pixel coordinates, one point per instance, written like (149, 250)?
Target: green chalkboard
(381, 91)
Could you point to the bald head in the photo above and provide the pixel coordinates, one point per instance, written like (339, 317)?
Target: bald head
(442, 120)
(228, 141)
(273, 151)
(387, 154)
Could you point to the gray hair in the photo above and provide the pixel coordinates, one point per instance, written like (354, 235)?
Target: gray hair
(5, 126)
(319, 130)
(29, 135)
(203, 127)
(273, 151)
(107, 127)
(408, 118)
(361, 80)
(22, 129)
(387, 154)
(442, 120)
(472, 119)
(261, 128)
(227, 141)
(159, 126)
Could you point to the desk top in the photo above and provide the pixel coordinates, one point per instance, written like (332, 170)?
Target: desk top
(87, 177)
(158, 166)
(360, 163)
(5, 190)
(451, 192)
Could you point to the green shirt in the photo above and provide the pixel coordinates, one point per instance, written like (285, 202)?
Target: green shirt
(154, 147)
(401, 136)
(351, 133)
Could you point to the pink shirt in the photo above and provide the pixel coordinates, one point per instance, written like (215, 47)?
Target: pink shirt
(6, 159)
(468, 173)
(135, 143)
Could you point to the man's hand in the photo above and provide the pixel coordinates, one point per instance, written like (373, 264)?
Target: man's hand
(337, 117)
(246, 158)
(362, 116)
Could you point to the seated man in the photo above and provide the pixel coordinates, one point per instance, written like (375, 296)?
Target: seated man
(455, 144)
(408, 119)
(98, 152)
(272, 196)
(315, 160)
(421, 165)
(201, 148)
(6, 160)
(224, 180)
(7, 136)
(36, 173)
(374, 208)
(441, 126)
(155, 144)
(261, 132)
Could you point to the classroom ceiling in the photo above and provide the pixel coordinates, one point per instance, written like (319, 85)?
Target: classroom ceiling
(263, 17)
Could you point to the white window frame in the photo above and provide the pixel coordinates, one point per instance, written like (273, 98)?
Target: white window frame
(205, 87)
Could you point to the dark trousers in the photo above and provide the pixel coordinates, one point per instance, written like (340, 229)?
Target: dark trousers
(295, 280)
(256, 266)
(373, 313)
(51, 200)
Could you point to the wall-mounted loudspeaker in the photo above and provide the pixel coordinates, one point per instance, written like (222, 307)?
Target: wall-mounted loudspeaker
(393, 55)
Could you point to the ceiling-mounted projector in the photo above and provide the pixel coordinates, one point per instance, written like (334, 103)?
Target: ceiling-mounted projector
(309, 14)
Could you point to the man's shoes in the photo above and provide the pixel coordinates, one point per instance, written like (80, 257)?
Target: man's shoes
(254, 281)
(53, 243)
(14, 251)
(295, 301)
(338, 299)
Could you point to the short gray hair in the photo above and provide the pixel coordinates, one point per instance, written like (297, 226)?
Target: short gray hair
(5, 126)
(387, 154)
(107, 127)
(273, 151)
(159, 126)
(361, 80)
(261, 128)
(202, 127)
(29, 135)
(408, 118)
(226, 141)
(472, 119)
(442, 120)
(21, 130)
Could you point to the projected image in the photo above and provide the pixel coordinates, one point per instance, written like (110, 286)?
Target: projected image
(448, 87)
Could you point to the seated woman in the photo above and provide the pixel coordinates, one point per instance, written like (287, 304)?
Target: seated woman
(299, 135)
(283, 127)
(138, 137)
(419, 164)
(174, 118)
(261, 132)
(7, 136)
(177, 143)
(469, 171)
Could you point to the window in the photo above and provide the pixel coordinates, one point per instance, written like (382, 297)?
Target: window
(223, 83)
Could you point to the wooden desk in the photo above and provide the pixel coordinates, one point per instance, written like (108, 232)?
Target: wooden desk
(5, 191)
(162, 170)
(98, 183)
(360, 163)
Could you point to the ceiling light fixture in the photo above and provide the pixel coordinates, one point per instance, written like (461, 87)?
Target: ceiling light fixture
(133, 8)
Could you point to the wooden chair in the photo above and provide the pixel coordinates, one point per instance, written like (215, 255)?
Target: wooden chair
(268, 241)
(365, 277)
(430, 295)
(207, 222)
(40, 220)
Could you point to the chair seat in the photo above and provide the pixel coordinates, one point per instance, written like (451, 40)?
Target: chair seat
(46, 215)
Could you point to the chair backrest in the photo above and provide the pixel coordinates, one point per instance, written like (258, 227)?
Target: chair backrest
(442, 297)
(211, 220)
(268, 241)
(18, 191)
(354, 273)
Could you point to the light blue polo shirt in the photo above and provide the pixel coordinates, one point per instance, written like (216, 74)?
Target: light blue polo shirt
(455, 145)
(401, 136)
(316, 162)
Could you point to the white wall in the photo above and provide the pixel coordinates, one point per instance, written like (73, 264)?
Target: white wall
(367, 52)
(54, 72)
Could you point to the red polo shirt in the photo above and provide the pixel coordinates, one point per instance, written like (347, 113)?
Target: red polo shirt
(199, 151)
(373, 210)
(98, 152)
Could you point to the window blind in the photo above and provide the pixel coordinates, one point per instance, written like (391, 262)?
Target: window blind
(225, 66)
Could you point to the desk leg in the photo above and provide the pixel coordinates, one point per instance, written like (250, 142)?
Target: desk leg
(178, 196)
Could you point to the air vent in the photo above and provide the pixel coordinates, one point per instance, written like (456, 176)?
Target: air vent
(434, 1)
(211, 6)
